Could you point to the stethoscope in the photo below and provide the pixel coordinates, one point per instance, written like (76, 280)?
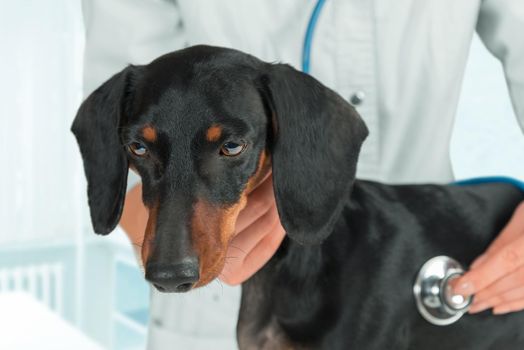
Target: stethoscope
(432, 290)
(308, 37)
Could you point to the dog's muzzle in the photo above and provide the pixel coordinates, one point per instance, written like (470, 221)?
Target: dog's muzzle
(433, 293)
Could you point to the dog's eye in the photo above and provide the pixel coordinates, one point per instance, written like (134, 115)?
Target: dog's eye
(137, 149)
(232, 149)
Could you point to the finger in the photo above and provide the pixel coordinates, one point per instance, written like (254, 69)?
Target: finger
(511, 231)
(479, 260)
(263, 251)
(255, 259)
(509, 307)
(497, 300)
(504, 261)
(246, 240)
(505, 284)
(258, 203)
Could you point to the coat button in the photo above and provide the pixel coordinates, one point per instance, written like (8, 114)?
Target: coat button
(357, 98)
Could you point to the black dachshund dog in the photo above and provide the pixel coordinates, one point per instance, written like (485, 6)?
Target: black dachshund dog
(202, 126)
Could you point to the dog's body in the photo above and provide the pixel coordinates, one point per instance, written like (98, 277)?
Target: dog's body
(203, 125)
(354, 291)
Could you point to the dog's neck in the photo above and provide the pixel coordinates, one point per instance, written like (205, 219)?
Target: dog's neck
(293, 291)
(295, 288)
(286, 284)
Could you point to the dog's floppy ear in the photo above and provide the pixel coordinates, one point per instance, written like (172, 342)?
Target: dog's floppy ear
(105, 162)
(316, 142)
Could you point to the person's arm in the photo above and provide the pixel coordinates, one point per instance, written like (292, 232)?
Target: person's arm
(497, 277)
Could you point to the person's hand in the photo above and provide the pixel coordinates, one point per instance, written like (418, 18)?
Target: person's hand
(496, 278)
(258, 235)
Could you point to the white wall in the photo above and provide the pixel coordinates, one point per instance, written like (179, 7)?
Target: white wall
(41, 45)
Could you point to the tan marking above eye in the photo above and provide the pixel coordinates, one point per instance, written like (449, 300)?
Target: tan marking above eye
(149, 133)
(213, 133)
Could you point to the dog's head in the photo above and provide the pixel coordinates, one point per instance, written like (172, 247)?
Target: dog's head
(202, 126)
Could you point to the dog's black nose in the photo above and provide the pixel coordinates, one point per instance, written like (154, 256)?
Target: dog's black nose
(171, 278)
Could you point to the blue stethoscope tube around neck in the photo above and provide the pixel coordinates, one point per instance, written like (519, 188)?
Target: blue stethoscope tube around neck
(308, 38)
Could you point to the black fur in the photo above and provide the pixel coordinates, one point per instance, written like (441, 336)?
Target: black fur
(343, 277)
(310, 168)
(105, 162)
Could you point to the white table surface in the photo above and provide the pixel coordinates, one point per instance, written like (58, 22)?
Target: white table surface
(27, 324)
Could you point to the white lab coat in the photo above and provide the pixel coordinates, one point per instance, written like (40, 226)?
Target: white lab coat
(406, 57)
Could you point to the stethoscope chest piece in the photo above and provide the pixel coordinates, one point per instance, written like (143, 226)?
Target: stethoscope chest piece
(433, 295)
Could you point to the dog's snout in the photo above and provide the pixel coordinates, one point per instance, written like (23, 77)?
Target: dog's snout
(169, 278)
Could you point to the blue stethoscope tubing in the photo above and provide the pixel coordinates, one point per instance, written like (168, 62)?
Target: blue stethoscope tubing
(491, 179)
(308, 38)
